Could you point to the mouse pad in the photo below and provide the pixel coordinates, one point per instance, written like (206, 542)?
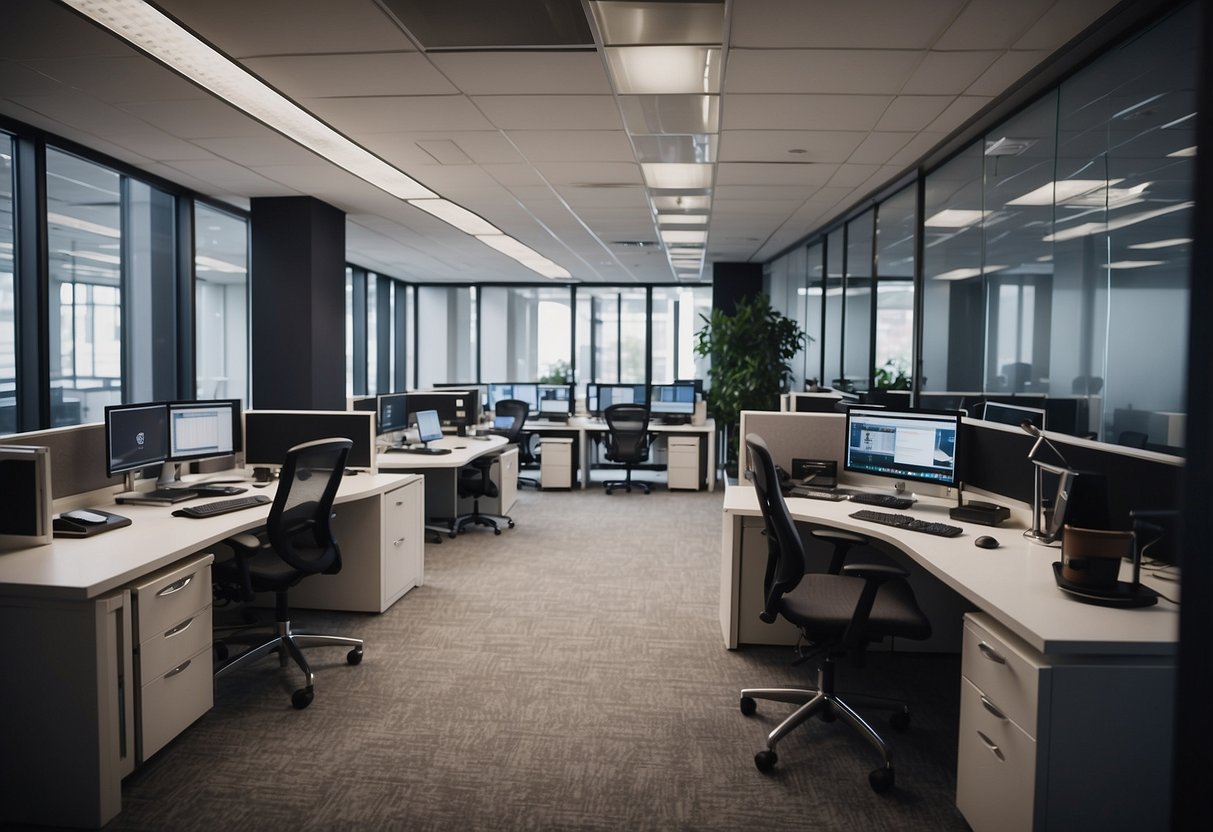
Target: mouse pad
(65, 527)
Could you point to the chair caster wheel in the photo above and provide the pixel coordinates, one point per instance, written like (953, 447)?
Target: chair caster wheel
(354, 656)
(881, 779)
(748, 706)
(496, 531)
(900, 720)
(302, 698)
(511, 524)
(766, 760)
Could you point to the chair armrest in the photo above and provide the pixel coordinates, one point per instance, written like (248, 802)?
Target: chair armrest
(877, 572)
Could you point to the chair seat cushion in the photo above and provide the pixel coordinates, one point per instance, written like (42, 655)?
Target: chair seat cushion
(267, 571)
(822, 605)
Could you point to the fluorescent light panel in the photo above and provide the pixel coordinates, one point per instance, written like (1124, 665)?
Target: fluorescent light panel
(677, 175)
(525, 255)
(955, 218)
(159, 36)
(1063, 191)
(1175, 241)
(1135, 264)
(664, 70)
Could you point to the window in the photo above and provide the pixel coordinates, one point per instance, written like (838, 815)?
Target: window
(446, 334)
(675, 320)
(84, 241)
(894, 341)
(8, 298)
(814, 292)
(832, 325)
(221, 304)
(526, 332)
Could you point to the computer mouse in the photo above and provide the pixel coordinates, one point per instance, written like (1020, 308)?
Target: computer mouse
(986, 542)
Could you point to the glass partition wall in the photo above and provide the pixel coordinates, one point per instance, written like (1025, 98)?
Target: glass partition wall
(8, 295)
(1054, 259)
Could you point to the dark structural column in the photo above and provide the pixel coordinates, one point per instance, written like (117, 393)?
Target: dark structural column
(733, 282)
(298, 304)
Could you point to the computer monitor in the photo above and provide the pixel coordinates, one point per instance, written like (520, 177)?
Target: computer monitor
(429, 426)
(591, 399)
(269, 434)
(202, 429)
(526, 392)
(136, 436)
(904, 445)
(697, 383)
(609, 394)
(672, 399)
(555, 399)
(1013, 414)
(392, 412)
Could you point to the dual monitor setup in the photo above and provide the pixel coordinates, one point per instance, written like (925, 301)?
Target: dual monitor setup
(670, 402)
(426, 411)
(138, 436)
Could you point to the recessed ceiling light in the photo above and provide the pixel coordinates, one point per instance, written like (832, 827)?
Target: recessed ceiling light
(677, 175)
(1175, 241)
(955, 218)
(1135, 264)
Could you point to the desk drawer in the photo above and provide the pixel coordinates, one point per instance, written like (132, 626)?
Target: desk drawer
(995, 768)
(171, 702)
(161, 652)
(164, 599)
(1006, 671)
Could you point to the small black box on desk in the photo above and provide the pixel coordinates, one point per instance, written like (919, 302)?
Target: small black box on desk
(987, 514)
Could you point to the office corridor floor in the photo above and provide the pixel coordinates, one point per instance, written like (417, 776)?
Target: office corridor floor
(566, 675)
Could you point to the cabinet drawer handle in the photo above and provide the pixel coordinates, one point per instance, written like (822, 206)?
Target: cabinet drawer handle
(176, 586)
(991, 654)
(398, 541)
(992, 708)
(178, 669)
(399, 503)
(180, 628)
(994, 749)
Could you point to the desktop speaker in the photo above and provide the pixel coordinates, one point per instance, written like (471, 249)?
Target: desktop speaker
(1082, 500)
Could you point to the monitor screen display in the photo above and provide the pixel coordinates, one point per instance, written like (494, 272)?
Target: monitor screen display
(203, 429)
(528, 393)
(673, 399)
(1013, 414)
(393, 413)
(910, 445)
(429, 427)
(556, 399)
(591, 399)
(609, 394)
(136, 435)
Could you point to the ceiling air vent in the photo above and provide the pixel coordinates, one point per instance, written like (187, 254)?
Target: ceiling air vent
(643, 245)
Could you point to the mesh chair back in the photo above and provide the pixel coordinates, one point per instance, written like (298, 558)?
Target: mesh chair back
(516, 409)
(785, 551)
(298, 526)
(628, 440)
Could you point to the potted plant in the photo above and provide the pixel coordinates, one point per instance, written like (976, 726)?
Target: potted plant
(749, 351)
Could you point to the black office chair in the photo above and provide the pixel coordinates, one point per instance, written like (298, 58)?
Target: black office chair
(296, 541)
(1133, 439)
(518, 410)
(838, 614)
(627, 442)
(475, 482)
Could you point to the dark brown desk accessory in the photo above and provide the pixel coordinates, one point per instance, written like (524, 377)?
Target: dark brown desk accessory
(1089, 568)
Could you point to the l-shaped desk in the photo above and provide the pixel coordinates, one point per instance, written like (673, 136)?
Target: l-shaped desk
(107, 639)
(1066, 707)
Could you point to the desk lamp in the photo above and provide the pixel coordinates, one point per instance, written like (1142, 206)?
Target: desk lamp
(1037, 532)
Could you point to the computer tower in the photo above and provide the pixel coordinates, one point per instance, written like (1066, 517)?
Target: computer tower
(1082, 500)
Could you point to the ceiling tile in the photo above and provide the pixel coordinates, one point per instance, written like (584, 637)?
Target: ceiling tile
(916, 148)
(203, 118)
(573, 145)
(269, 148)
(948, 73)
(358, 116)
(572, 173)
(878, 148)
(542, 73)
(913, 112)
(551, 112)
(856, 72)
(776, 145)
(802, 112)
(73, 36)
(1006, 72)
(852, 175)
(358, 75)
(290, 27)
(116, 80)
(958, 112)
(991, 24)
(752, 173)
(1062, 22)
(860, 24)
(220, 174)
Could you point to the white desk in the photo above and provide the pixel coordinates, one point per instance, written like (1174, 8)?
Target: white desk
(1084, 737)
(442, 471)
(706, 433)
(66, 725)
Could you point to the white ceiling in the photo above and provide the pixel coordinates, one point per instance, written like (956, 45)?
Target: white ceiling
(535, 141)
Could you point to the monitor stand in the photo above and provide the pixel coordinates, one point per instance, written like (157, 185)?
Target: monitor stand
(170, 476)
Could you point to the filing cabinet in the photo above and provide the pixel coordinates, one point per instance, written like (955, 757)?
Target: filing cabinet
(682, 466)
(556, 462)
(172, 634)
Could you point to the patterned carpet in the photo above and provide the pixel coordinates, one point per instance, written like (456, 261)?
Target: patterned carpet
(567, 675)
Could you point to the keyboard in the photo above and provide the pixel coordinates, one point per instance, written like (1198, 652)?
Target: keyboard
(905, 521)
(430, 451)
(882, 500)
(221, 506)
(208, 490)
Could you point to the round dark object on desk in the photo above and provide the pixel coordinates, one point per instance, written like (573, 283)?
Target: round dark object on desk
(261, 474)
(986, 542)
